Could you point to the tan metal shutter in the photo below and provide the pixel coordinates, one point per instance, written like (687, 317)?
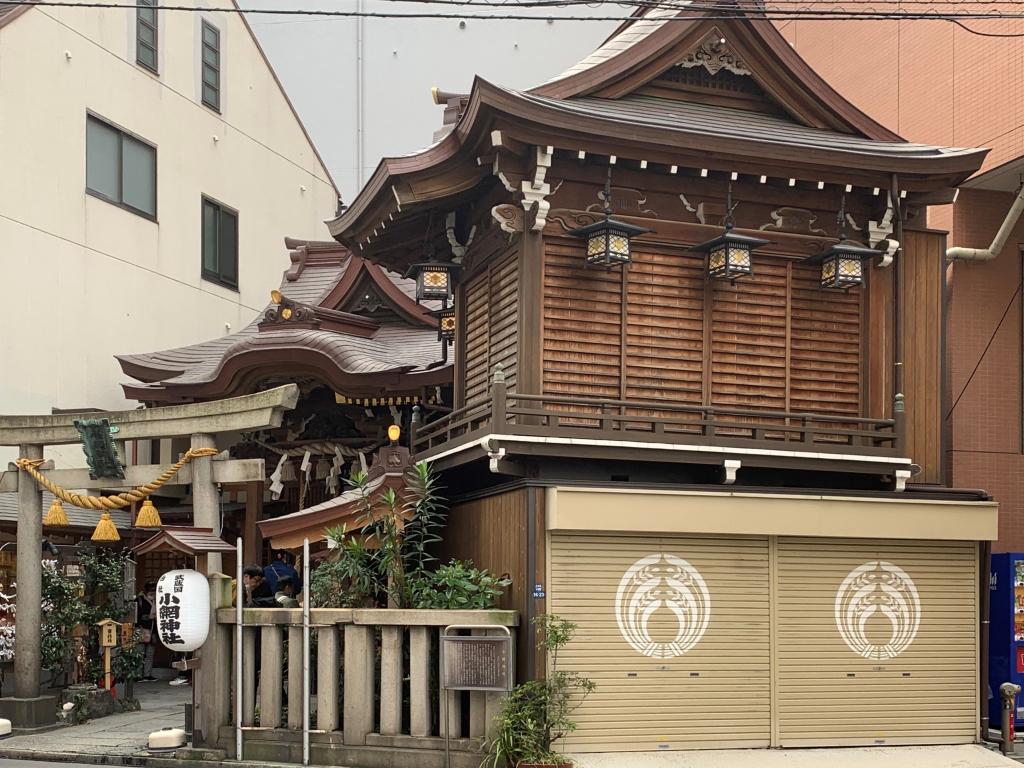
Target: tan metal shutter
(910, 677)
(715, 693)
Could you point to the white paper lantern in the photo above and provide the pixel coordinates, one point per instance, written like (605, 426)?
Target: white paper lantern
(182, 610)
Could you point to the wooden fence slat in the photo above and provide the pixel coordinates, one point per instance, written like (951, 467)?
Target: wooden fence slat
(391, 680)
(295, 703)
(360, 670)
(249, 676)
(453, 727)
(419, 681)
(328, 666)
(271, 668)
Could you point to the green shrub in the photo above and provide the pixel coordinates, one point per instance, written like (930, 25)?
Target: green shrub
(456, 586)
(538, 713)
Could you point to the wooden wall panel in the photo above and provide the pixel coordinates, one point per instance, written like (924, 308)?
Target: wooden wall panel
(664, 328)
(748, 339)
(490, 324)
(492, 532)
(582, 324)
(825, 346)
(476, 328)
(923, 262)
(773, 341)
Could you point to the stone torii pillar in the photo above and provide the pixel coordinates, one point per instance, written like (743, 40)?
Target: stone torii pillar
(27, 710)
(28, 706)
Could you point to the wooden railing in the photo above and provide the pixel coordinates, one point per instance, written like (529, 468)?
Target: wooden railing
(515, 413)
(374, 686)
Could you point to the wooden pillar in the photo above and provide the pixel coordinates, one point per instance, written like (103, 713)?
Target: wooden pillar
(205, 497)
(252, 542)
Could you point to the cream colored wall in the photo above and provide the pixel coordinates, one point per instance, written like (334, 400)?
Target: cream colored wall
(84, 279)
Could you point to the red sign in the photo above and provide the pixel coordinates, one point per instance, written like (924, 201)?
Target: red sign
(1020, 658)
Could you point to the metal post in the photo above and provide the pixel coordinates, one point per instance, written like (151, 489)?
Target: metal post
(239, 599)
(1008, 692)
(305, 651)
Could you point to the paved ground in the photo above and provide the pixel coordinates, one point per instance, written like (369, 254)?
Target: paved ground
(36, 764)
(163, 706)
(969, 756)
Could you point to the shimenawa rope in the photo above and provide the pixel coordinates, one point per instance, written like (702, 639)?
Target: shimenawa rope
(117, 501)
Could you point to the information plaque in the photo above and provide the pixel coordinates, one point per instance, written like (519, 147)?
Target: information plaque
(476, 663)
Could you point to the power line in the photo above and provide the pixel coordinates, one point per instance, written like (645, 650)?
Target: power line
(728, 12)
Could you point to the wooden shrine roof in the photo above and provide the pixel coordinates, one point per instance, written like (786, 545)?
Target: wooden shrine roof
(635, 99)
(337, 333)
(711, 120)
(191, 541)
(387, 472)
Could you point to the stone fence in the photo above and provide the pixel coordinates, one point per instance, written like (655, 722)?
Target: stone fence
(374, 694)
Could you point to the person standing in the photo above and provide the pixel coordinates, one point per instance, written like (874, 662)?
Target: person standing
(145, 613)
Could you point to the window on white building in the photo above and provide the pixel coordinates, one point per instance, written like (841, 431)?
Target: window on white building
(211, 66)
(147, 35)
(120, 168)
(220, 243)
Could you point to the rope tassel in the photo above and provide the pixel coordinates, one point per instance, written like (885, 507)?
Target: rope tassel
(148, 516)
(105, 529)
(56, 514)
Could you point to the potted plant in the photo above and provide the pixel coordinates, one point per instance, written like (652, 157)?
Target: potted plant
(537, 714)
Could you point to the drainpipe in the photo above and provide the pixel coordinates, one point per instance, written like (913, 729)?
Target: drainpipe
(985, 563)
(987, 254)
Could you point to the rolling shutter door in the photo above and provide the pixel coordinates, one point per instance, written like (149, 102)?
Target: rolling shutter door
(910, 676)
(705, 682)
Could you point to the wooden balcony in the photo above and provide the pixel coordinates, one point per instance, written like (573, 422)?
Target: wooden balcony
(650, 431)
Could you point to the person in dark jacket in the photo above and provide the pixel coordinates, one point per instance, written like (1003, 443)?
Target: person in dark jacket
(279, 569)
(258, 593)
(145, 616)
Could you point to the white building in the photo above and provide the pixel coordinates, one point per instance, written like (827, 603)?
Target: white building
(150, 167)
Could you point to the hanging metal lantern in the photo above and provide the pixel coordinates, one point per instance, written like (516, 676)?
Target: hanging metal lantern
(842, 265)
(446, 322)
(729, 254)
(608, 239)
(434, 279)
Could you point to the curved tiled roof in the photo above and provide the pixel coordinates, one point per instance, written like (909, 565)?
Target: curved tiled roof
(403, 344)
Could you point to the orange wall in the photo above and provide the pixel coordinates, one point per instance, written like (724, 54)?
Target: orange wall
(930, 81)
(935, 83)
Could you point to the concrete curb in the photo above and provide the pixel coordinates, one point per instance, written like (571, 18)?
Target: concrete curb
(138, 760)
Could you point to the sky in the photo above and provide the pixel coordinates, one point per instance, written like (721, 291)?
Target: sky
(403, 59)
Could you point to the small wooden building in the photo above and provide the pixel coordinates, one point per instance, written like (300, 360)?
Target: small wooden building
(722, 458)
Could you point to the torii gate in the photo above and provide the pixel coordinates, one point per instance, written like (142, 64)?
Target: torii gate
(27, 710)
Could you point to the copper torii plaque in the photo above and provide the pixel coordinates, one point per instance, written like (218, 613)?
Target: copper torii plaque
(476, 663)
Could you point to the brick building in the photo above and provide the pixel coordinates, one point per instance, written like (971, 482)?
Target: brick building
(935, 82)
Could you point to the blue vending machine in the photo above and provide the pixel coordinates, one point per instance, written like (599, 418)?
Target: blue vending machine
(1006, 632)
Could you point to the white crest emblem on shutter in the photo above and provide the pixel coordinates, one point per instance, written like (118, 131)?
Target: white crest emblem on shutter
(662, 582)
(878, 587)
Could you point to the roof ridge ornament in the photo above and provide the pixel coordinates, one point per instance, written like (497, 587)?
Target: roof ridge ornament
(714, 54)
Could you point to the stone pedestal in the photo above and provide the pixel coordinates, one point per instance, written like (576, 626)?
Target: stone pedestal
(28, 715)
